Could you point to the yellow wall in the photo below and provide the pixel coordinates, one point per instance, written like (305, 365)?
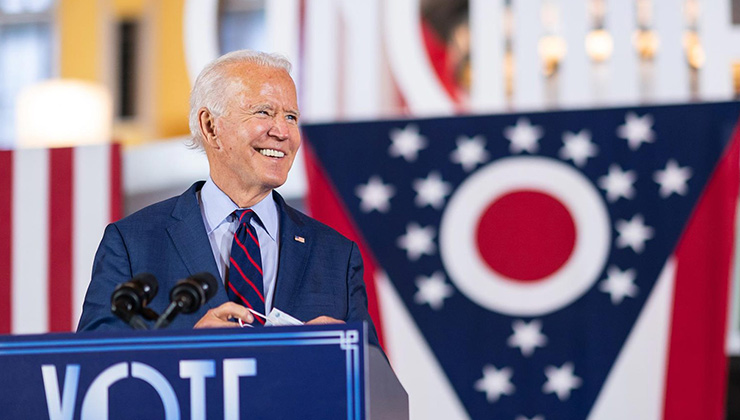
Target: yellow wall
(79, 44)
(83, 43)
(128, 8)
(172, 86)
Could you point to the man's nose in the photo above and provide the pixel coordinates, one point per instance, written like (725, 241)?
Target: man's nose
(279, 128)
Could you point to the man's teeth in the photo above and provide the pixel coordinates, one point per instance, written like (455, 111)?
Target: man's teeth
(272, 153)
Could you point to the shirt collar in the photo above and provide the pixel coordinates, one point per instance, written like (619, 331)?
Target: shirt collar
(267, 212)
(218, 208)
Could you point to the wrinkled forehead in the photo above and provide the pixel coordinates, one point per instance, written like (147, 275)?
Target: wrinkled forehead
(252, 73)
(252, 80)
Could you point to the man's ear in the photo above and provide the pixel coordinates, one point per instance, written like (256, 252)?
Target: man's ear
(207, 124)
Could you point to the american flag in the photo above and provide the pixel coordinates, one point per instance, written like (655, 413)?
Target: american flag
(54, 206)
(552, 265)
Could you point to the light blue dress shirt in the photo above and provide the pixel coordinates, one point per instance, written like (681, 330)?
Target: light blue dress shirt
(217, 210)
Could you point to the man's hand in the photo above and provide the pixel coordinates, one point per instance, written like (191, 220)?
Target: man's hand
(225, 315)
(322, 320)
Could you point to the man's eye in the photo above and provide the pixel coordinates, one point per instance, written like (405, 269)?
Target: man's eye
(292, 118)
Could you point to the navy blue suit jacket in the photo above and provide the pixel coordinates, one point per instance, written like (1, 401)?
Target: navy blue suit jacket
(319, 276)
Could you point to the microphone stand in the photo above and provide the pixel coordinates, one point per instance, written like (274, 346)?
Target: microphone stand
(137, 322)
(134, 320)
(171, 312)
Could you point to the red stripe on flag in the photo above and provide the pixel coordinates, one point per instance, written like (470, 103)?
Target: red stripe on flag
(61, 193)
(324, 204)
(116, 206)
(6, 241)
(696, 378)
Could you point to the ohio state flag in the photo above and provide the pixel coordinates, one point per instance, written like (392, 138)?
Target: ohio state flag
(554, 265)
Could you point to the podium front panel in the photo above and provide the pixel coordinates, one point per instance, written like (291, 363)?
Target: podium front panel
(263, 373)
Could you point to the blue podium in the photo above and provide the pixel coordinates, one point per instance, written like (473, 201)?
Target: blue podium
(306, 372)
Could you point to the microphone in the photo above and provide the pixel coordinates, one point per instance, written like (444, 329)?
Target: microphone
(188, 296)
(128, 301)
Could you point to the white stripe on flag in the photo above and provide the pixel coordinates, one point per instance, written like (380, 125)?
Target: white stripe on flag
(91, 209)
(30, 241)
(643, 359)
(430, 393)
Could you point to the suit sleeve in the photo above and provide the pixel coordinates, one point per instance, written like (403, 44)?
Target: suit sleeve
(357, 298)
(111, 267)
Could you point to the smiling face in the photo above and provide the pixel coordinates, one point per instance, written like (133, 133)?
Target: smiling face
(251, 147)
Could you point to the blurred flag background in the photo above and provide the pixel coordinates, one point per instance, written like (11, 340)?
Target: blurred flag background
(545, 191)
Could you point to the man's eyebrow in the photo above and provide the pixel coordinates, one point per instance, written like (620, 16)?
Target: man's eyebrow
(263, 106)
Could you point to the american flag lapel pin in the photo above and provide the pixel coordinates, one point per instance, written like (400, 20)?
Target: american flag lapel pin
(300, 239)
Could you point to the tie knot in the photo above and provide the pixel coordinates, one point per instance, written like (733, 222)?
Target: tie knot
(245, 215)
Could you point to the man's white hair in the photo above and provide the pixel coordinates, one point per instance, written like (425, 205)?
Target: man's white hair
(213, 88)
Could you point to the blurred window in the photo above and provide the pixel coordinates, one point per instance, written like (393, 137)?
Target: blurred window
(242, 25)
(128, 49)
(26, 55)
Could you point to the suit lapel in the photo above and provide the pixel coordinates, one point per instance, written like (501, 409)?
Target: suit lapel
(188, 234)
(295, 244)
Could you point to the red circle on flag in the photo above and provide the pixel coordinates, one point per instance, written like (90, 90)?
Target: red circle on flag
(526, 235)
(478, 198)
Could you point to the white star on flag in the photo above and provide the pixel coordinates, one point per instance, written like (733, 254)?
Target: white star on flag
(470, 152)
(578, 147)
(495, 383)
(637, 130)
(673, 179)
(527, 336)
(431, 191)
(432, 290)
(407, 142)
(524, 136)
(417, 241)
(375, 195)
(634, 233)
(618, 183)
(561, 381)
(619, 284)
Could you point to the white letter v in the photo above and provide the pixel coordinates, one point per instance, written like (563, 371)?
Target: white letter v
(61, 407)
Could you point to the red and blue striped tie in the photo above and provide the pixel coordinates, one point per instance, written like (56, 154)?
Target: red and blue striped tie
(245, 268)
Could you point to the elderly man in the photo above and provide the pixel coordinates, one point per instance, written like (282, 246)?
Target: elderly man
(244, 115)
